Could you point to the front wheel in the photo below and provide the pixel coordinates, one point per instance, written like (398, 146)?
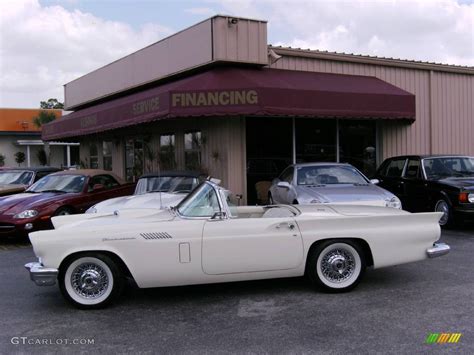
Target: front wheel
(90, 281)
(447, 219)
(336, 266)
(63, 211)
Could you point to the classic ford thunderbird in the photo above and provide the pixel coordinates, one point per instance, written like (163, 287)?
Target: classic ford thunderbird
(206, 240)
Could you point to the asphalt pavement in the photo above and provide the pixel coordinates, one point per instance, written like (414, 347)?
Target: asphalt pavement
(392, 311)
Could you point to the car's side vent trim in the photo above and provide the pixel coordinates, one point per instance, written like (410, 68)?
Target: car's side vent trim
(160, 235)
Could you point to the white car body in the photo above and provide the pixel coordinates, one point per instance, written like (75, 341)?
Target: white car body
(156, 200)
(165, 248)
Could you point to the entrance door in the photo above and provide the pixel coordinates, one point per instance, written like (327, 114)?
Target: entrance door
(251, 245)
(357, 145)
(269, 150)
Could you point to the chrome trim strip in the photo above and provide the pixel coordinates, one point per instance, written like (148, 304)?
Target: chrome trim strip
(40, 275)
(438, 249)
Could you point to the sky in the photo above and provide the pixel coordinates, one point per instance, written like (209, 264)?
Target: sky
(47, 43)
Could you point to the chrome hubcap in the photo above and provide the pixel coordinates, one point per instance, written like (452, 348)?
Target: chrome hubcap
(89, 280)
(443, 207)
(338, 265)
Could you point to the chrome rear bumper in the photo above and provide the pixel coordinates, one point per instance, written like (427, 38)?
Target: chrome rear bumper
(438, 249)
(42, 276)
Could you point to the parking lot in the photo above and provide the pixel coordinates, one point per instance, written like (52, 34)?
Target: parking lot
(392, 311)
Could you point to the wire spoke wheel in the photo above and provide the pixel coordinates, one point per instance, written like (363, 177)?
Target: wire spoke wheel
(336, 266)
(91, 280)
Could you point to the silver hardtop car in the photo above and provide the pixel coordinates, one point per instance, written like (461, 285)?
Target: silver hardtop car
(310, 183)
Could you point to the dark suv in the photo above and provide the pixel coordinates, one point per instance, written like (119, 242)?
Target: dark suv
(443, 183)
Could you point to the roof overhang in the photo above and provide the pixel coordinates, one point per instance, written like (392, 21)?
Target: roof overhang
(245, 92)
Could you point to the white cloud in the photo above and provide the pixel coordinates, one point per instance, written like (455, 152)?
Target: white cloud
(430, 30)
(206, 11)
(42, 48)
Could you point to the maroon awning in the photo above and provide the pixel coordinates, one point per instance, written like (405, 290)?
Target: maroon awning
(244, 92)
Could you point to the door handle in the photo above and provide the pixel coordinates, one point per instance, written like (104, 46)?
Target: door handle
(290, 225)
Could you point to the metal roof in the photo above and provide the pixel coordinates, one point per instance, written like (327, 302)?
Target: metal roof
(352, 57)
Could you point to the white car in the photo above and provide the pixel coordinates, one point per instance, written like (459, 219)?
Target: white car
(205, 240)
(154, 190)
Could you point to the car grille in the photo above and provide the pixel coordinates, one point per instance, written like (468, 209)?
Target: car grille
(156, 235)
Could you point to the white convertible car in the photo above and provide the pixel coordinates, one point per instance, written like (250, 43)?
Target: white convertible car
(205, 240)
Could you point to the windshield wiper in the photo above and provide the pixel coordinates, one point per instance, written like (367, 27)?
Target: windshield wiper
(360, 184)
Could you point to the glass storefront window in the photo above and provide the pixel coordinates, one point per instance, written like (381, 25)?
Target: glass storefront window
(315, 140)
(134, 158)
(167, 152)
(93, 156)
(357, 145)
(107, 155)
(192, 150)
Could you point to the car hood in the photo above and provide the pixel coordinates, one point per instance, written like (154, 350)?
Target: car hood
(11, 205)
(466, 183)
(101, 220)
(149, 200)
(342, 193)
(11, 188)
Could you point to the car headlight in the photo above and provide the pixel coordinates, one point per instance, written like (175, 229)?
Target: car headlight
(315, 201)
(470, 198)
(92, 210)
(394, 202)
(26, 214)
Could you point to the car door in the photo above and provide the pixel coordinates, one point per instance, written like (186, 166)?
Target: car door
(239, 245)
(390, 176)
(415, 195)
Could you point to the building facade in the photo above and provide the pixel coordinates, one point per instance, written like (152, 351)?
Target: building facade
(217, 98)
(18, 133)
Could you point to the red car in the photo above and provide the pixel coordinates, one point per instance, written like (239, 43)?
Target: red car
(61, 193)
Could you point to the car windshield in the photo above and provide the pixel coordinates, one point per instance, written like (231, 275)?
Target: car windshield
(329, 175)
(59, 183)
(174, 184)
(202, 202)
(15, 177)
(443, 167)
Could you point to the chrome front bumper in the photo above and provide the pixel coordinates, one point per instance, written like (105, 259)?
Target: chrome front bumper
(438, 249)
(42, 276)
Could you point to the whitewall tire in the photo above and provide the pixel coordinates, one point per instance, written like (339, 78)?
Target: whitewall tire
(90, 281)
(336, 266)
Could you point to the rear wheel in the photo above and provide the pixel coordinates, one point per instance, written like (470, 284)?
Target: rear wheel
(90, 281)
(336, 266)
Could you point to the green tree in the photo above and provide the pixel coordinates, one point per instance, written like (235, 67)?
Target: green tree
(51, 103)
(20, 157)
(43, 118)
(42, 157)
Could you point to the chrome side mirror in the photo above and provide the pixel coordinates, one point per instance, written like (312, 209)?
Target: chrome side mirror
(374, 181)
(284, 184)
